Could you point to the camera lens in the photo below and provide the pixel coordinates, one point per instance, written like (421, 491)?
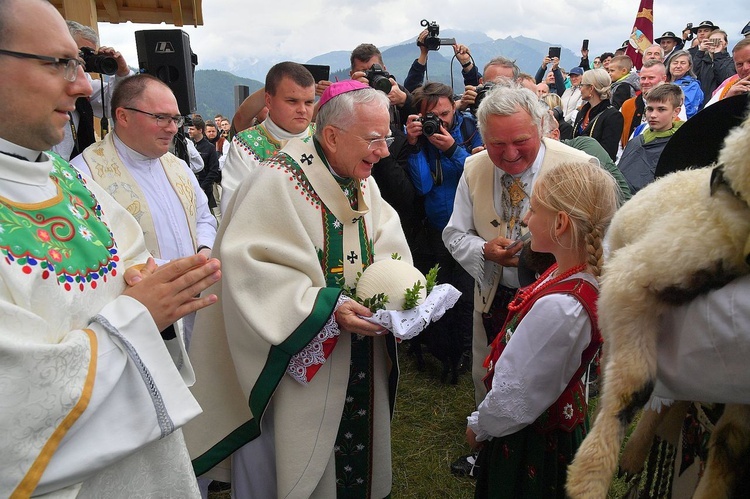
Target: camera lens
(430, 128)
(381, 83)
(95, 63)
(430, 124)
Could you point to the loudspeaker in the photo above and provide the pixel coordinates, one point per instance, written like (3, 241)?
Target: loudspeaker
(241, 92)
(166, 54)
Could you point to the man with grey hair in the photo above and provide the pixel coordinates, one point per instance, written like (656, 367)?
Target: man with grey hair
(492, 200)
(80, 133)
(654, 53)
(495, 70)
(291, 376)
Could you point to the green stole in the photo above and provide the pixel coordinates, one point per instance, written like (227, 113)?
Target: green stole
(347, 250)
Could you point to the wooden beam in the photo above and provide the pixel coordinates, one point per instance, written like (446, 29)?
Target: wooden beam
(110, 7)
(197, 13)
(82, 11)
(89, 12)
(177, 17)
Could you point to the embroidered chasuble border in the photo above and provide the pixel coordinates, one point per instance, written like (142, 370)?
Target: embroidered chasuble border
(274, 370)
(64, 238)
(255, 138)
(345, 246)
(30, 481)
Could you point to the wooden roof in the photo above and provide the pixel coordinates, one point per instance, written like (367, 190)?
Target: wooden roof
(89, 12)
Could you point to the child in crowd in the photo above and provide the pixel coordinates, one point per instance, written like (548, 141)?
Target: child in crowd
(534, 416)
(642, 152)
(625, 83)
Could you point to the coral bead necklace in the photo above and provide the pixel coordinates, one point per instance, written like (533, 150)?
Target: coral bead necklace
(541, 284)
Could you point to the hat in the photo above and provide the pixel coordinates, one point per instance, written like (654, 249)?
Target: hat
(578, 70)
(668, 35)
(338, 88)
(699, 140)
(704, 24)
(746, 30)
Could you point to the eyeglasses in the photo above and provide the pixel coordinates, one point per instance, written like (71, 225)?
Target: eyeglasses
(70, 66)
(161, 120)
(372, 143)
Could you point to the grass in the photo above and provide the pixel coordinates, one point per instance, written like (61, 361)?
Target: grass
(428, 433)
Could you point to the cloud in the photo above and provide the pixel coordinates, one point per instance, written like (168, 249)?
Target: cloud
(238, 34)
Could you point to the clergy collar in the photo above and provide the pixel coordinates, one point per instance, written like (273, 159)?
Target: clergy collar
(134, 157)
(17, 151)
(22, 171)
(279, 133)
(336, 176)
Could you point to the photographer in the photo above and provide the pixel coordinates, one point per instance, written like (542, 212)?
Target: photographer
(417, 71)
(712, 63)
(440, 139)
(496, 70)
(558, 84)
(437, 160)
(80, 133)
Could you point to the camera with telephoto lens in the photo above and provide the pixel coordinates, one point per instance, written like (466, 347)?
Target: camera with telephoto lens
(379, 78)
(96, 63)
(481, 94)
(430, 124)
(433, 41)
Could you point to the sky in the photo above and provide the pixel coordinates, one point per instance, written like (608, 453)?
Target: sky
(238, 35)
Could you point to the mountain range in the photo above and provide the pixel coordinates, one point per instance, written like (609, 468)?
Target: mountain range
(215, 87)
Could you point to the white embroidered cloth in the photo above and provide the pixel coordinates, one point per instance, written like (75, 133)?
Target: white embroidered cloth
(406, 324)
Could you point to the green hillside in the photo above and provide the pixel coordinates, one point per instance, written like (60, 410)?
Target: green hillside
(214, 91)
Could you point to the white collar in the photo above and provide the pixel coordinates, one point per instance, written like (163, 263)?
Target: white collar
(28, 172)
(280, 134)
(130, 156)
(29, 154)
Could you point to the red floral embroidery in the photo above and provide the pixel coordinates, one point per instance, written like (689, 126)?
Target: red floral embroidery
(43, 235)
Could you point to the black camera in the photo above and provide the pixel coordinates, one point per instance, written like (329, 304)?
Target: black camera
(481, 94)
(96, 63)
(379, 78)
(430, 124)
(433, 41)
(689, 27)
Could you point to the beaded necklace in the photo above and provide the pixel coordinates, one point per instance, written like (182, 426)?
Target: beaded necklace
(528, 292)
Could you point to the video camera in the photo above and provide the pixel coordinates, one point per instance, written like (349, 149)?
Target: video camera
(433, 41)
(379, 78)
(430, 124)
(96, 63)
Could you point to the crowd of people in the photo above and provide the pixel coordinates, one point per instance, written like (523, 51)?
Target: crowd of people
(177, 293)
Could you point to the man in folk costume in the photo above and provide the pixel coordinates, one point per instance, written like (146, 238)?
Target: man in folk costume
(289, 365)
(290, 99)
(93, 395)
(491, 200)
(134, 166)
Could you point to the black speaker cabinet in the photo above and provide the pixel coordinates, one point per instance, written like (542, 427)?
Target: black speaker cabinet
(166, 54)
